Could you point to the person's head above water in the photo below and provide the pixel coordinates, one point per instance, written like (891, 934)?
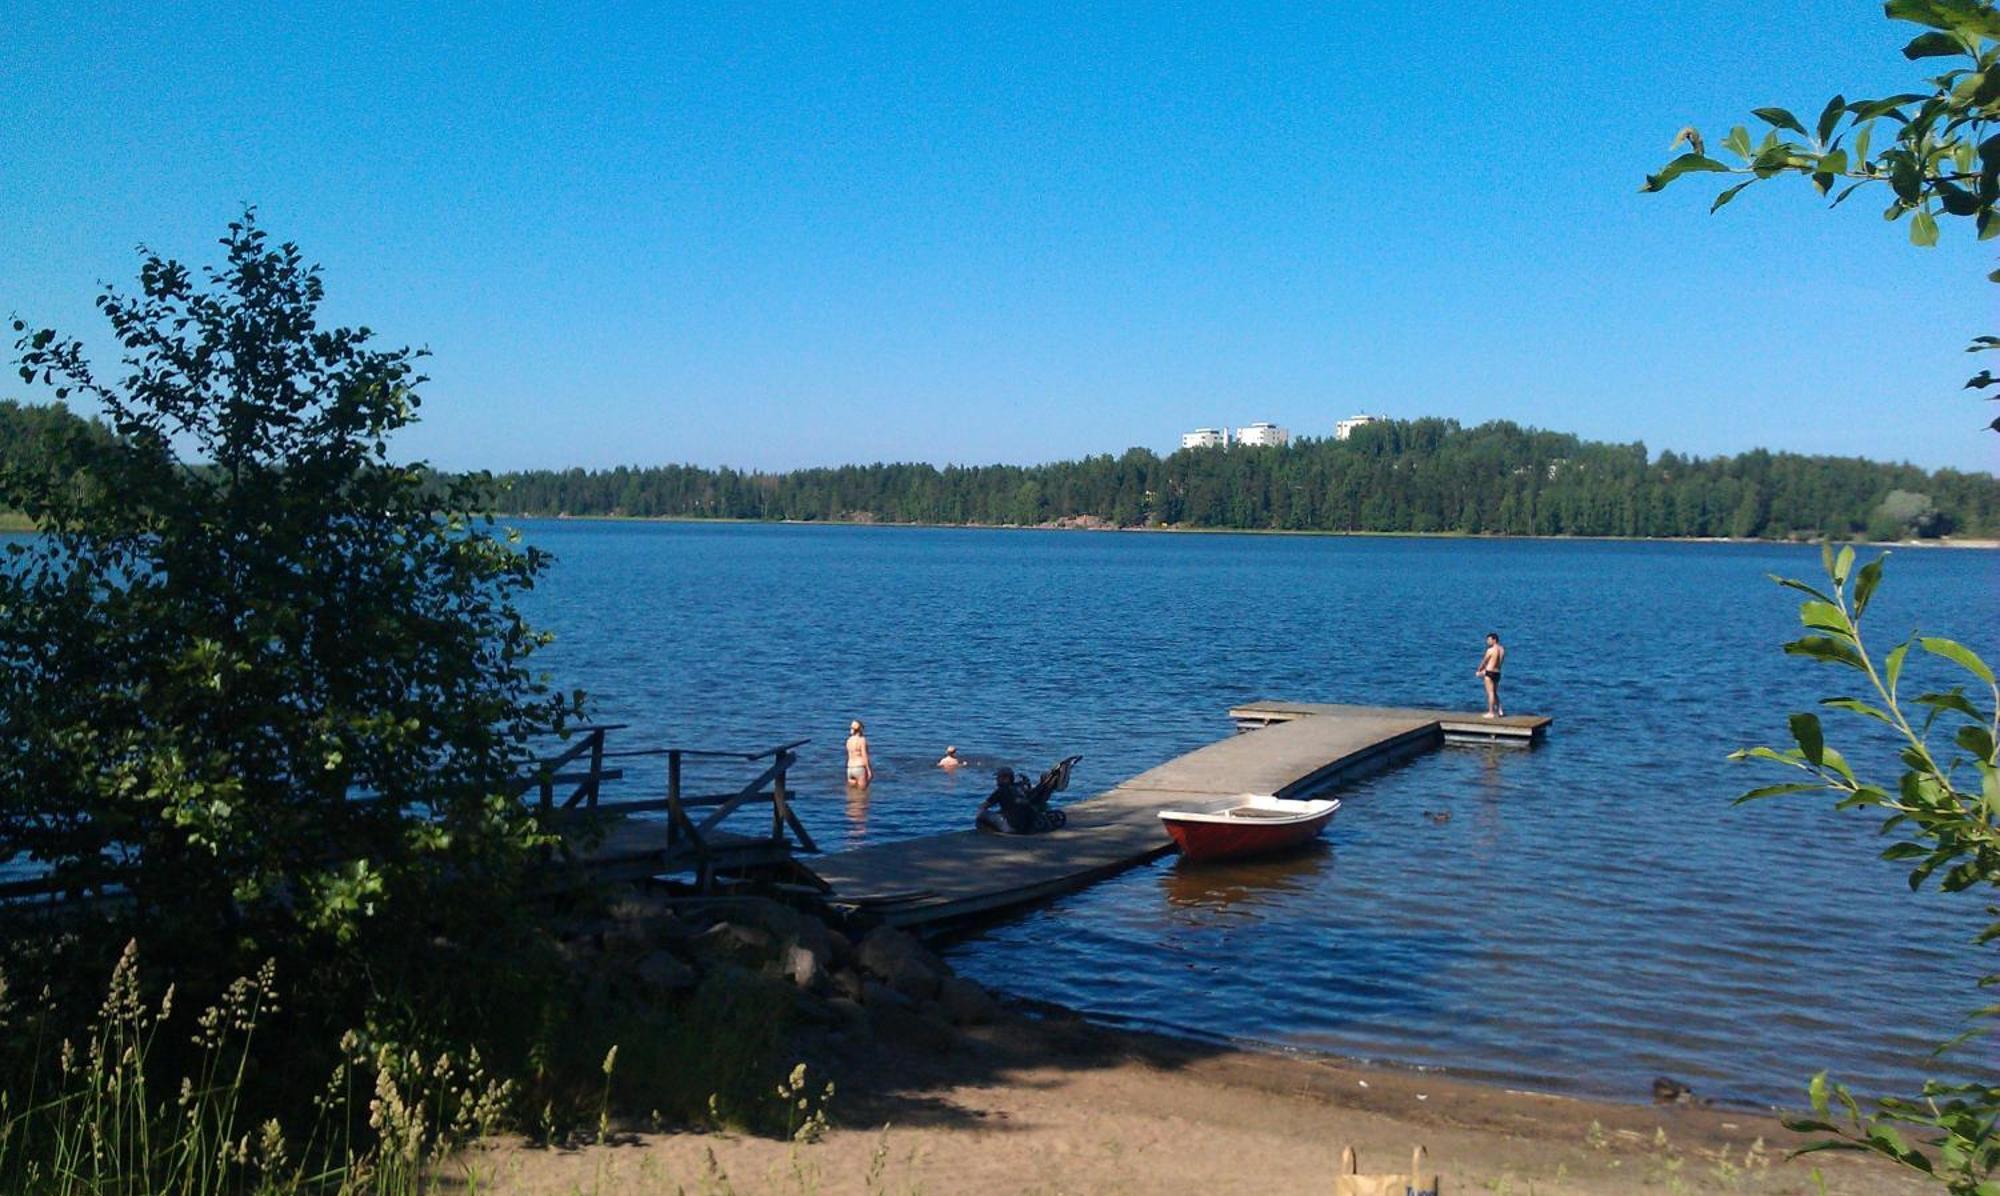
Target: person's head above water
(951, 751)
(1492, 637)
(854, 728)
(1004, 775)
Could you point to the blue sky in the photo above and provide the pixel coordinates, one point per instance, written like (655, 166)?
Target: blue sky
(770, 236)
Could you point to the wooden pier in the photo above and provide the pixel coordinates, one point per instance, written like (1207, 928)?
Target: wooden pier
(1287, 749)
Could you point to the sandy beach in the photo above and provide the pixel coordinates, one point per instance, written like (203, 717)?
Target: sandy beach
(1052, 1104)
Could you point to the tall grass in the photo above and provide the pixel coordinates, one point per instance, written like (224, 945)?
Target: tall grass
(94, 1118)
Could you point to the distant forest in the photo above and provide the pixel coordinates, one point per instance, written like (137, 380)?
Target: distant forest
(1424, 475)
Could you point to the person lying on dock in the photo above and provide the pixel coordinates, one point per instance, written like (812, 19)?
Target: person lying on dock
(1011, 808)
(951, 760)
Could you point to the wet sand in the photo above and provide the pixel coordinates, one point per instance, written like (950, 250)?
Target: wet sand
(1058, 1105)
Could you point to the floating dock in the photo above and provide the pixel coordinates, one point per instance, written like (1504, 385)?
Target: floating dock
(1287, 749)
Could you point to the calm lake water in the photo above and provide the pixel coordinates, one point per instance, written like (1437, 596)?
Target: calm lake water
(1594, 913)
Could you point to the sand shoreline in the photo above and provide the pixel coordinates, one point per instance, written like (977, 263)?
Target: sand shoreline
(1044, 1101)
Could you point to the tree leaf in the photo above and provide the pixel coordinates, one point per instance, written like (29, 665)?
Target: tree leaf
(1728, 195)
(1923, 229)
(1958, 654)
(1830, 116)
(1825, 650)
(1779, 118)
(1893, 665)
(1932, 45)
(1824, 616)
(1865, 583)
(1918, 12)
(1857, 706)
(1778, 791)
(1811, 741)
(1680, 166)
(1794, 584)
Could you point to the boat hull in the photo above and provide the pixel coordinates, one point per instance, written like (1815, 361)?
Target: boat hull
(1246, 829)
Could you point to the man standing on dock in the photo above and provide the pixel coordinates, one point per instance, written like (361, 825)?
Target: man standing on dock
(1489, 672)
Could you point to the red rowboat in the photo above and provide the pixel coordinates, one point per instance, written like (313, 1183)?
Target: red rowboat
(1253, 824)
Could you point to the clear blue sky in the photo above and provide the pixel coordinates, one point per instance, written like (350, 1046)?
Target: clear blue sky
(770, 237)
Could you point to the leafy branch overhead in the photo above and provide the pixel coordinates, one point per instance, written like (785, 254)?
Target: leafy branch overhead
(1937, 153)
(1942, 817)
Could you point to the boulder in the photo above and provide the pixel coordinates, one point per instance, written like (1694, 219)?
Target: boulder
(901, 962)
(660, 973)
(966, 1003)
(732, 940)
(842, 947)
(804, 968)
(852, 1015)
(877, 995)
(813, 1011)
(848, 983)
(912, 1027)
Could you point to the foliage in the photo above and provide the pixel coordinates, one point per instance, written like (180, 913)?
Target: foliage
(266, 681)
(1426, 475)
(1944, 157)
(1944, 814)
(94, 1117)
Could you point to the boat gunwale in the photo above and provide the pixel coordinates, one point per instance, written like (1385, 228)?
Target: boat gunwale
(1312, 808)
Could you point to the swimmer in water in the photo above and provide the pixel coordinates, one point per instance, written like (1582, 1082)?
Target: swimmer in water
(860, 771)
(951, 760)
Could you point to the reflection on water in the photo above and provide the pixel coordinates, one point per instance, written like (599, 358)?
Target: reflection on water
(1591, 914)
(1252, 883)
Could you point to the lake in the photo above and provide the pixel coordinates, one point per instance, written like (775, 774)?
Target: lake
(1594, 913)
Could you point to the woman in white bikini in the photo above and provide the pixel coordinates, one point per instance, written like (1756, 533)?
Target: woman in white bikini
(859, 770)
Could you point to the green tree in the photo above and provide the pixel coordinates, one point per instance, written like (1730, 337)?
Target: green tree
(1944, 157)
(263, 677)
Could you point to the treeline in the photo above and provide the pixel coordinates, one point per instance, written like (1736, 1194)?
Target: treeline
(1424, 475)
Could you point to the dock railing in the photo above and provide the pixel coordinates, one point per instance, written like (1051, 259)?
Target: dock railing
(692, 835)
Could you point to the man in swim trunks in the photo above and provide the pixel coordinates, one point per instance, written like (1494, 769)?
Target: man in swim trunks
(1489, 672)
(860, 771)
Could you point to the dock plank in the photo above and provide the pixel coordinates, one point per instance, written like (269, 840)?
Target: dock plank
(1264, 713)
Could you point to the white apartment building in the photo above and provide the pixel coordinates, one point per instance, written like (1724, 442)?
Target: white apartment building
(1345, 428)
(1262, 434)
(1205, 438)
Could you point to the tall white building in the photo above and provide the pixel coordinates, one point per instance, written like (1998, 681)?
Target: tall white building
(1262, 434)
(1345, 428)
(1205, 438)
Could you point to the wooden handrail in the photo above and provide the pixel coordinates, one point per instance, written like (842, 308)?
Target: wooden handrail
(708, 753)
